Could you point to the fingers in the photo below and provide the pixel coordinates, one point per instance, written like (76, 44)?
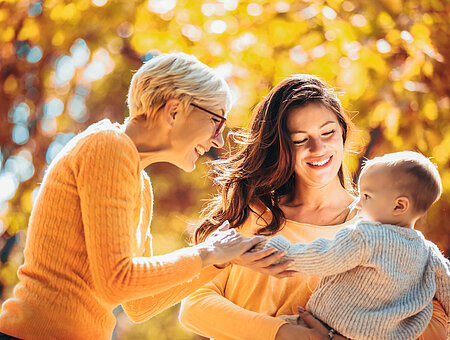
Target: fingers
(311, 321)
(272, 260)
(225, 225)
(286, 273)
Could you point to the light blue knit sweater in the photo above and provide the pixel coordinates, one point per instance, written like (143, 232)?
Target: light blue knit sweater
(378, 281)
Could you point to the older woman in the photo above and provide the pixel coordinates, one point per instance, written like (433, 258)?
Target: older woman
(288, 178)
(88, 247)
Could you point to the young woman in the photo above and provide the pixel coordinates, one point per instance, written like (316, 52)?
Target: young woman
(288, 178)
(88, 246)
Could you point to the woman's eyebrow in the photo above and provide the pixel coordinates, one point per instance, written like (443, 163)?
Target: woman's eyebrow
(324, 124)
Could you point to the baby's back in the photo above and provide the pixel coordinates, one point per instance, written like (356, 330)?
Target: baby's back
(388, 296)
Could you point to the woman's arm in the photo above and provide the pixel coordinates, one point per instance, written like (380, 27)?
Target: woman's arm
(207, 312)
(437, 328)
(143, 309)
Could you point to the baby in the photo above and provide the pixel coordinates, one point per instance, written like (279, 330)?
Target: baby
(380, 275)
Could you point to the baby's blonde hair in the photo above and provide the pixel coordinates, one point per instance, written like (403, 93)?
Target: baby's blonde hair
(414, 174)
(176, 76)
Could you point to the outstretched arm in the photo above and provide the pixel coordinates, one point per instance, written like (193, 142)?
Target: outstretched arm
(143, 309)
(322, 256)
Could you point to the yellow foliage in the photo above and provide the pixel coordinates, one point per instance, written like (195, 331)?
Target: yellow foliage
(30, 30)
(58, 38)
(385, 21)
(430, 109)
(7, 34)
(10, 84)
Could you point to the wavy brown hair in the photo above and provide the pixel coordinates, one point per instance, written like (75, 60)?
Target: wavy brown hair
(262, 170)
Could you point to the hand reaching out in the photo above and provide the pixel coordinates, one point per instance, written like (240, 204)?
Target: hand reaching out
(265, 260)
(225, 244)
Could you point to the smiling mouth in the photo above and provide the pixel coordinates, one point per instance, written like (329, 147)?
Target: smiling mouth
(320, 163)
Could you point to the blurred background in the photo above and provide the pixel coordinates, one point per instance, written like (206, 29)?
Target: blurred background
(66, 64)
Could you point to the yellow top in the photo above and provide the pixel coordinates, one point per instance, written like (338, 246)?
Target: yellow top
(90, 223)
(242, 304)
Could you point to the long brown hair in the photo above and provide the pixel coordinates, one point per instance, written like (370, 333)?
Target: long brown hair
(262, 170)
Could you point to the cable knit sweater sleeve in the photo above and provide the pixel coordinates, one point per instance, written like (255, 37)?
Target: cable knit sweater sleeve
(143, 309)
(108, 181)
(324, 257)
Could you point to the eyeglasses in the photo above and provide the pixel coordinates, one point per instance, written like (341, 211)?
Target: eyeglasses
(221, 125)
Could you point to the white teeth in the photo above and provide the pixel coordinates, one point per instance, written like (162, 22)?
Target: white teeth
(321, 162)
(200, 151)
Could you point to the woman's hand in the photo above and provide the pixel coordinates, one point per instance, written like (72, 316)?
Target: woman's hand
(225, 244)
(289, 332)
(316, 325)
(265, 261)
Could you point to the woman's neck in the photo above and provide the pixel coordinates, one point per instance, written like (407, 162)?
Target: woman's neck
(150, 141)
(318, 197)
(317, 205)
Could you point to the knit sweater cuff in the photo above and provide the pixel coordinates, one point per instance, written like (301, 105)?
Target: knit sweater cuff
(279, 242)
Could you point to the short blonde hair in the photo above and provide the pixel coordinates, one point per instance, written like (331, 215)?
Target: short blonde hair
(415, 175)
(176, 76)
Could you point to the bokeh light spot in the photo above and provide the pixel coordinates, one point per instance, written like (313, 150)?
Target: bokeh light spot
(358, 20)
(80, 53)
(383, 46)
(19, 113)
(35, 9)
(9, 184)
(65, 70)
(125, 29)
(99, 3)
(193, 33)
(94, 71)
(20, 134)
(208, 9)
(77, 109)
(407, 36)
(34, 54)
(282, 7)
(57, 145)
(254, 9)
(53, 108)
(298, 54)
(230, 5)
(329, 13)
(161, 6)
(217, 26)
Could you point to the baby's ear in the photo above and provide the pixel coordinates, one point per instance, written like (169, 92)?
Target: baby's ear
(401, 205)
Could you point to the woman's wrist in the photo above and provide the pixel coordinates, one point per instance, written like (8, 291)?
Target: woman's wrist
(206, 254)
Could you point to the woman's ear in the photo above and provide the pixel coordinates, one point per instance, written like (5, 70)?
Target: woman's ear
(170, 111)
(401, 205)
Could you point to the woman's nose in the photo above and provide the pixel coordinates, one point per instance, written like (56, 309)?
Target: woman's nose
(316, 145)
(218, 141)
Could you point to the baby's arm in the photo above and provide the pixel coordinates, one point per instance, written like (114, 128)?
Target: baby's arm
(323, 256)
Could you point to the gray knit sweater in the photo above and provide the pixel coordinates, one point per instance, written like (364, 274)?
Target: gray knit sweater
(378, 280)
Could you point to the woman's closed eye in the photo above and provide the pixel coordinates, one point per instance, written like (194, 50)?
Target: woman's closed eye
(215, 120)
(366, 196)
(329, 133)
(299, 142)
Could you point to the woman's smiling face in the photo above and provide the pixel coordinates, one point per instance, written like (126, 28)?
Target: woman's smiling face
(318, 144)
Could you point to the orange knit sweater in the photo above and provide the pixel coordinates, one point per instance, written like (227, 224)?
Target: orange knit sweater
(242, 304)
(89, 244)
